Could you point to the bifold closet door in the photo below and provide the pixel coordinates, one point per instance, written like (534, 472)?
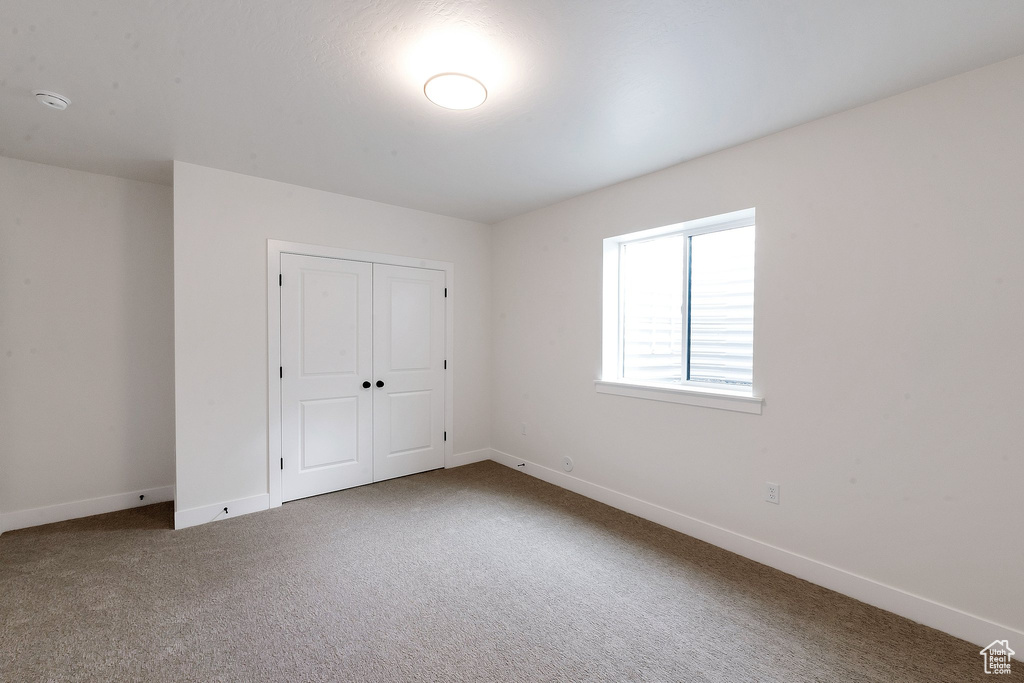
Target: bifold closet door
(409, 370)
(326, 356)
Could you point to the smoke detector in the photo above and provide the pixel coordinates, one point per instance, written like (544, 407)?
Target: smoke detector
(52, 100)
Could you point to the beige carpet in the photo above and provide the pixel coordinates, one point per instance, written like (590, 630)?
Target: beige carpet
(479, 573)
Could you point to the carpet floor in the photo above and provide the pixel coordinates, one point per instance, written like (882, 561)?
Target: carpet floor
(479, 573)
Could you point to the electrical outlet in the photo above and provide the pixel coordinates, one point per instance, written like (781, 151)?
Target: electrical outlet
(771, 492)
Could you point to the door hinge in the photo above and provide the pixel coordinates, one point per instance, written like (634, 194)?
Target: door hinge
(282, 463)
(282, 372)
(445, 292)
(446, 436)
(280, 280)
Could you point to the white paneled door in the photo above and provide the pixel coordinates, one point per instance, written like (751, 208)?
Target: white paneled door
(362, 368)
(326, 357)
(408, 362)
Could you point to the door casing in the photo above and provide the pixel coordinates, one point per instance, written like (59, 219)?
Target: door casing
(275, 248)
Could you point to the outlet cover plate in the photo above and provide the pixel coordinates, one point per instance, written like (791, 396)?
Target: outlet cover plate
(771, 492)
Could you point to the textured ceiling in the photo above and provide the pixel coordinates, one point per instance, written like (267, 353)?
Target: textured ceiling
(583, 93)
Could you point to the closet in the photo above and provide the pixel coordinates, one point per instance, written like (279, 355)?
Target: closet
(362, 374)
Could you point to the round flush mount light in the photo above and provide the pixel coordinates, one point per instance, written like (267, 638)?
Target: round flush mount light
(52, 100)
(455, 91)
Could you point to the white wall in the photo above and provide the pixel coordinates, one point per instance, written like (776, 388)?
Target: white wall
(222, 222)
(888, 336)
(86, 346)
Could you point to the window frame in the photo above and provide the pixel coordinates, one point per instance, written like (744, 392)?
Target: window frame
(693, 393)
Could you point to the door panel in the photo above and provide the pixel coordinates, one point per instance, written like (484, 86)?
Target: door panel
(410, 324)
(408, 352)
(411, 427)
(330, 313)
(330, 432)
(326, 354)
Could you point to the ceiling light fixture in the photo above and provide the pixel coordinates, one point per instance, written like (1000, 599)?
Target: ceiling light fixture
(52, 99)
(455, 91)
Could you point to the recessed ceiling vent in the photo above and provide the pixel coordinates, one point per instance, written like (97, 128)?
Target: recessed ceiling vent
(52, 99)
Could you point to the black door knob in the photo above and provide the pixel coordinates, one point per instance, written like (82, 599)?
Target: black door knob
(366, 384)
(380, 383)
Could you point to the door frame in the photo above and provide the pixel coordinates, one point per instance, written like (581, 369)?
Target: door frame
(275, 248)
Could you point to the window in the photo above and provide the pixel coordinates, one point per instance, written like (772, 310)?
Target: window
(679, 312)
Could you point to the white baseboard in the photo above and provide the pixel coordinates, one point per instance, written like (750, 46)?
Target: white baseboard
(21, 519)
(215, 512)
(468, 458)
(969, 627)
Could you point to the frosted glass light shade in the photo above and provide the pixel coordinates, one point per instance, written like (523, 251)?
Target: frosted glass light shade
(455, 91)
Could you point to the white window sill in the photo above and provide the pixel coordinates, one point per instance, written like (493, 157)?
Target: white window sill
(694, 396)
